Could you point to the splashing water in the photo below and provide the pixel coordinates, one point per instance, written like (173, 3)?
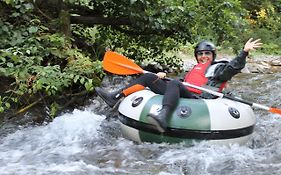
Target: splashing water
(50, 148)
(83, 142)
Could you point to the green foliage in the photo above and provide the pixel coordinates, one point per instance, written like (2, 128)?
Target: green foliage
(181, 20)
(54, 109)
(265, 22)
(39, 61)
(160, 27)
(222, 20)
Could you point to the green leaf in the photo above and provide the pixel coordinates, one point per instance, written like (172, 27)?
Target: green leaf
(7, 105)
(82, 80)
(9, 1)
(71, 76)
(28, 6)
(32, 29)
(76, 78)
(15, 14)
(132, 1)
(89, 85)
(10, 64)
(5, 28)
(1, 109)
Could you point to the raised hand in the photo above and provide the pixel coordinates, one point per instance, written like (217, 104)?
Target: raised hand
(161, 74)
(252, 45)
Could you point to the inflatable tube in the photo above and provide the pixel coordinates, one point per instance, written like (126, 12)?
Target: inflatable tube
(193, 120)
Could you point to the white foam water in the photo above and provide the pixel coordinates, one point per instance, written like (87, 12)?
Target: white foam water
(47, 149)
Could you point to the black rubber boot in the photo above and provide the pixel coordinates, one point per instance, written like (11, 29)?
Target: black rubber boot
(160, 119)
(110, 98)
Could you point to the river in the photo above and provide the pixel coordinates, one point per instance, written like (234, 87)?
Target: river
(85, 142)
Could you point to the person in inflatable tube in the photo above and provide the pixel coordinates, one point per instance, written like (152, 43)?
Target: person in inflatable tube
(207, 73)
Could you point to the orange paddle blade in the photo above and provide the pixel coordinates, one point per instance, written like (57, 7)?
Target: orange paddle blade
(275, 110)
(119, 64)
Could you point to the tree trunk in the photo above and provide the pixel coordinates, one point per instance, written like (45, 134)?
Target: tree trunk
(64, 18)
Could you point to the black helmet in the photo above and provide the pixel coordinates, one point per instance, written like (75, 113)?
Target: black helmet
(205, 46)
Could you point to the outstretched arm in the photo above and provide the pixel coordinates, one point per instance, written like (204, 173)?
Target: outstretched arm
(227, 71)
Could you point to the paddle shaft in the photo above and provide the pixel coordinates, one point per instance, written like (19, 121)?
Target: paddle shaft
(221, 95)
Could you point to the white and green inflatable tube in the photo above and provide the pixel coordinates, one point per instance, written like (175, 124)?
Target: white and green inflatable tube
(215, 120)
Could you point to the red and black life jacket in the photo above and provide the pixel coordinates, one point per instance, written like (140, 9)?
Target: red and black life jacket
(196, 76)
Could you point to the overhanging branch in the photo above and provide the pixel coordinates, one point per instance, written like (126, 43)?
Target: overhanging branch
(90, 21)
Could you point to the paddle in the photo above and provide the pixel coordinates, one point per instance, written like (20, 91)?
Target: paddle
(121, 65)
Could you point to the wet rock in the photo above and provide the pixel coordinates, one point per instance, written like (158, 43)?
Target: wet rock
(264, 64)
(276, 62)
(259, 67)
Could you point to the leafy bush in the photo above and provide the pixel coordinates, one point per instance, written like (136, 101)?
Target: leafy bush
(39, 61)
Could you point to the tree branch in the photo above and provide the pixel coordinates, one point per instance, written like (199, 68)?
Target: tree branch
(90, 21)
(166, 33)
(81, 10)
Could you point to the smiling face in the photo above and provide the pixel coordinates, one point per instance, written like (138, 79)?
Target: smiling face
(204, 56)
(205, 51)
